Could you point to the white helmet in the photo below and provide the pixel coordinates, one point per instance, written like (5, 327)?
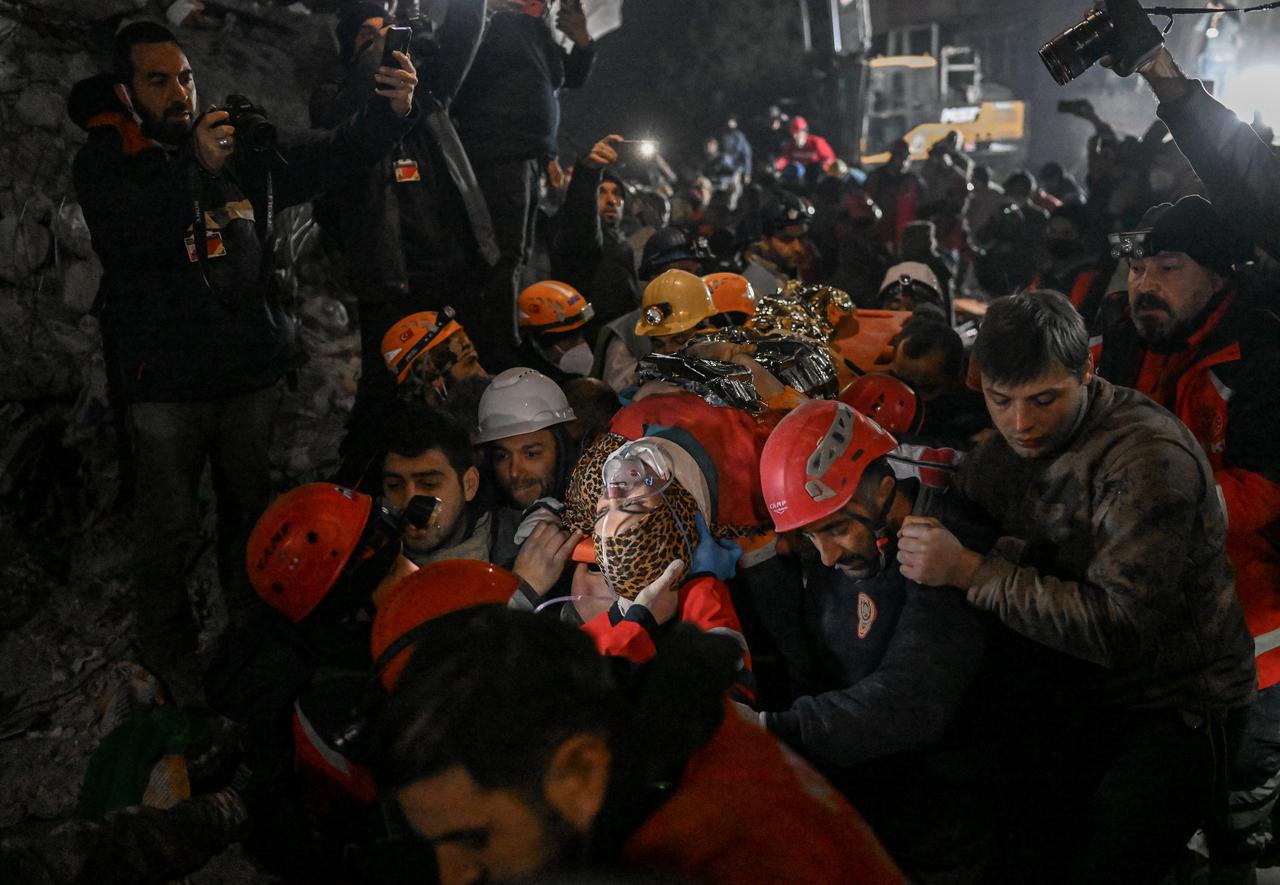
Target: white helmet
(521, 400)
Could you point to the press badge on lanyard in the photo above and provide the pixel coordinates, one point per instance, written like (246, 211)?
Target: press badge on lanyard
(406, 171)
(214, 247)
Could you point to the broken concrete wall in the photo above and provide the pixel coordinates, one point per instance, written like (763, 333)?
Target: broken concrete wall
(64, 541)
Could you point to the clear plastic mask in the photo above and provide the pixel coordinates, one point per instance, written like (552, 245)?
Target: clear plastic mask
(645, 518)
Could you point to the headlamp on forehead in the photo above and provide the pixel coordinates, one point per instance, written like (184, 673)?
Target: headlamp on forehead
(654, 314)
(1131, 244)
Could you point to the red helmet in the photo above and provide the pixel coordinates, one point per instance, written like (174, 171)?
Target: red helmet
(885, 400)
(813, 460)
(302, 543)
(431, 592)
(799, 124)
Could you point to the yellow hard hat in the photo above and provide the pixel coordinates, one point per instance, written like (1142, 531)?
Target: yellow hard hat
(675, 301)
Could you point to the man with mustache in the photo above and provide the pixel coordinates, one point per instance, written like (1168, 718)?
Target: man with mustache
(1195, 336)
(899, 659)
(196, 336)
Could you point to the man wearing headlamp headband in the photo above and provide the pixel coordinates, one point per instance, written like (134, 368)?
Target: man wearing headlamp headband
(1195, 337)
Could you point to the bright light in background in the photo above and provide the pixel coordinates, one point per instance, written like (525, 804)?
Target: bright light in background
(1255, 90)
(648, 148)
(1211, 33)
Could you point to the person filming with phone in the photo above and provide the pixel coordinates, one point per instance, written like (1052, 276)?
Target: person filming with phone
(414, 228)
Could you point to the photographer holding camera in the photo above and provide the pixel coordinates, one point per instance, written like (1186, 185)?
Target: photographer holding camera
(1240, 171)
(194, 332)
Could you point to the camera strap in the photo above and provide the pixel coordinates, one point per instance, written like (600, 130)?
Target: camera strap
(199, 232)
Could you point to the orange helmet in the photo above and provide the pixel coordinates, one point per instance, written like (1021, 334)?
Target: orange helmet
(413, 336)
(886, 400)
(433, 591)
(302, 544)
(813, 460)
(731, 293)
(550, 306)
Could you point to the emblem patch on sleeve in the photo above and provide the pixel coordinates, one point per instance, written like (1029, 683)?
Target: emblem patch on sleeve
(866, 615)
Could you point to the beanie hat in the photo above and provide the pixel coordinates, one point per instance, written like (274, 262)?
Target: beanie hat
(349, 21)
(1192, 226)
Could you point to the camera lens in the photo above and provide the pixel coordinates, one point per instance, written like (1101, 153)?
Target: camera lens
(1078, 48)
(257, 132)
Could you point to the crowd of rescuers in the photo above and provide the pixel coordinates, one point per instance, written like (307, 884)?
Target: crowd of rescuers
(772, 520)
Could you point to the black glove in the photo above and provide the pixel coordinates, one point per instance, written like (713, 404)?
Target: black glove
(1135, 40)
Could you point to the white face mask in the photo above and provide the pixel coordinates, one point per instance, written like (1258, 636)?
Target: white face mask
(577, 360)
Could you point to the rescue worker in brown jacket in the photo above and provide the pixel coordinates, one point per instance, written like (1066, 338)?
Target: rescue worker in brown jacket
(1114, 565)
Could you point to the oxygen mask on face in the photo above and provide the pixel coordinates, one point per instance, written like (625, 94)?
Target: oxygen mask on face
(644, 520)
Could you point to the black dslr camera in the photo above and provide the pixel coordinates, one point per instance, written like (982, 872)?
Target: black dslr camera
(253, 130)
(1118, 28)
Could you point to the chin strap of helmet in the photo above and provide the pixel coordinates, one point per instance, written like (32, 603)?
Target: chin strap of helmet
(879, 527)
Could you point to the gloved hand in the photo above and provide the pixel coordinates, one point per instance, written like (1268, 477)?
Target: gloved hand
(714, 557)
(1135, 39)
(542, 510)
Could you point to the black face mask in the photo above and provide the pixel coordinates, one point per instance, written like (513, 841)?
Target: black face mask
(1061, 247)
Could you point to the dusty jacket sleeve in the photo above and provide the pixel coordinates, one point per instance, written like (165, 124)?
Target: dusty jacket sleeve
(1240, 171)
(1144, 508)
(909, 700)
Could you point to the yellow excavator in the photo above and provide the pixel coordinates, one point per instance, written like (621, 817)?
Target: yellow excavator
(922, 98)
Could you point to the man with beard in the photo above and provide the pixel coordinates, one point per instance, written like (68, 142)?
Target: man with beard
(589, 250)
(1193, 336)
(776, 258)
(520, 754)
(523, 428)
(1112, 562)
(428, 452)
(197, 337)
(899, 659)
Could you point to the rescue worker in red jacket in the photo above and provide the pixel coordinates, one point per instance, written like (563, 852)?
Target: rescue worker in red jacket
(1193, 337)
(516, 750)
(804, 148)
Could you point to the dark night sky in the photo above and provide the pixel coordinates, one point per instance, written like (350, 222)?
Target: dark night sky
(622, 95)
(625, 93)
